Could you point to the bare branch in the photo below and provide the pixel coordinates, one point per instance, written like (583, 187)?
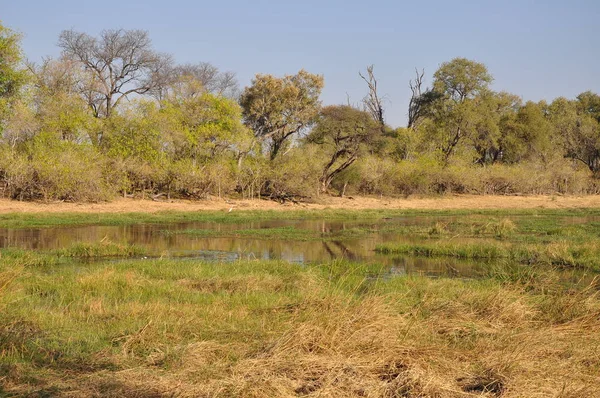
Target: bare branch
(119, 62)
(372, 101)
(415, 104)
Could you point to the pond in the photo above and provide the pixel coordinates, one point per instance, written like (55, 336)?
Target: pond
(297, 241)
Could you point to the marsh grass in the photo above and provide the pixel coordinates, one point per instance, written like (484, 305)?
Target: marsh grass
(168, 328)
(42, 220)
(563, 254)
(104, 248)
(278, 233)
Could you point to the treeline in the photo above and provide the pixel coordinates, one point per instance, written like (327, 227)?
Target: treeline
(114, 117)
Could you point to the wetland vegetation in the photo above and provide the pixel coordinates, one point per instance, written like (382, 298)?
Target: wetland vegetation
(83, 314)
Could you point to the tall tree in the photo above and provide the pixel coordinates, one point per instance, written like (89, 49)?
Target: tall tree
(527, 135)
(120, 63)
(344, 132)
(589, 103)
(452, 106)
(461, 79)
(12, 75)
(579, 130)
(206, 125)
(493, 112)
(279, 108)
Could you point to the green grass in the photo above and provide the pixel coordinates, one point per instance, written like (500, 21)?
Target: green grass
(555, 254)
(102, 249)
(21, 220)
(278, 233)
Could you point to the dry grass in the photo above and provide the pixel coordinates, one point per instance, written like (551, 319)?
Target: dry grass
(325, 202)
(257, 329)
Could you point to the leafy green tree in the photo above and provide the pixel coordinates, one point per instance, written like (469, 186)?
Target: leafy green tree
(451, 104)
(494, 111)
(12, 75)
(579, 130)
(528, 135)
(206, 125)
(461, 79)
(344, 132)
(278, 108)
(589, 103)
(136, 133)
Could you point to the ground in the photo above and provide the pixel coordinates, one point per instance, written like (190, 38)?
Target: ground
(358, 203)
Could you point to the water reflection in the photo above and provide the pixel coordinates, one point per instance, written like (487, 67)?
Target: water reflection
(219, 249)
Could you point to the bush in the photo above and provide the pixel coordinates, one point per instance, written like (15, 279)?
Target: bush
(55, 171)
(292, 175)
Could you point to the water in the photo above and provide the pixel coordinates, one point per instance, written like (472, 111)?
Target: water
(163, 240)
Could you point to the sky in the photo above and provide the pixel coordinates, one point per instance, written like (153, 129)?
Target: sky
(535, 49)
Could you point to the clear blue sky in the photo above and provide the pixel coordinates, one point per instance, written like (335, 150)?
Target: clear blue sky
(536, 49)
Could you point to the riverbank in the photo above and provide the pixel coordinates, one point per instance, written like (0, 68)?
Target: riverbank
(447, 202)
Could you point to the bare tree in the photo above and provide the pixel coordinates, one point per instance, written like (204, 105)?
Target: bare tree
(194, 79)
(372, 101)
(120, 63)
(213, 80)
(414, 106)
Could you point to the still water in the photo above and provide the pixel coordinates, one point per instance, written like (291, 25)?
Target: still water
(163, 240)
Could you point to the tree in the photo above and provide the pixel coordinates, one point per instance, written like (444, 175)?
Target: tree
(372, 102)
(527, 135)
(279, 108)
(493, 112)
(451, 103)
(416, 99)
(206, 126)
(120, 63)
(589, 103)
(579, 130)
(461, 79)
(59, 107)
(195, 79)
(12, 75)
(343, 131)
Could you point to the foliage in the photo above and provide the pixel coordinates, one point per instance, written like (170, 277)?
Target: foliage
(112, 117)
(278, 108)
(345, 133)
(12, 74)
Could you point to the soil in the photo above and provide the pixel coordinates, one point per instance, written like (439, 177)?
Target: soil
(353, 203)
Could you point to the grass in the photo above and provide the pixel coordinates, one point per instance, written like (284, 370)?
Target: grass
(277, 233)
(257, 328)
(42, 220)
(186, 328)
(102, 249)
(526, 240)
